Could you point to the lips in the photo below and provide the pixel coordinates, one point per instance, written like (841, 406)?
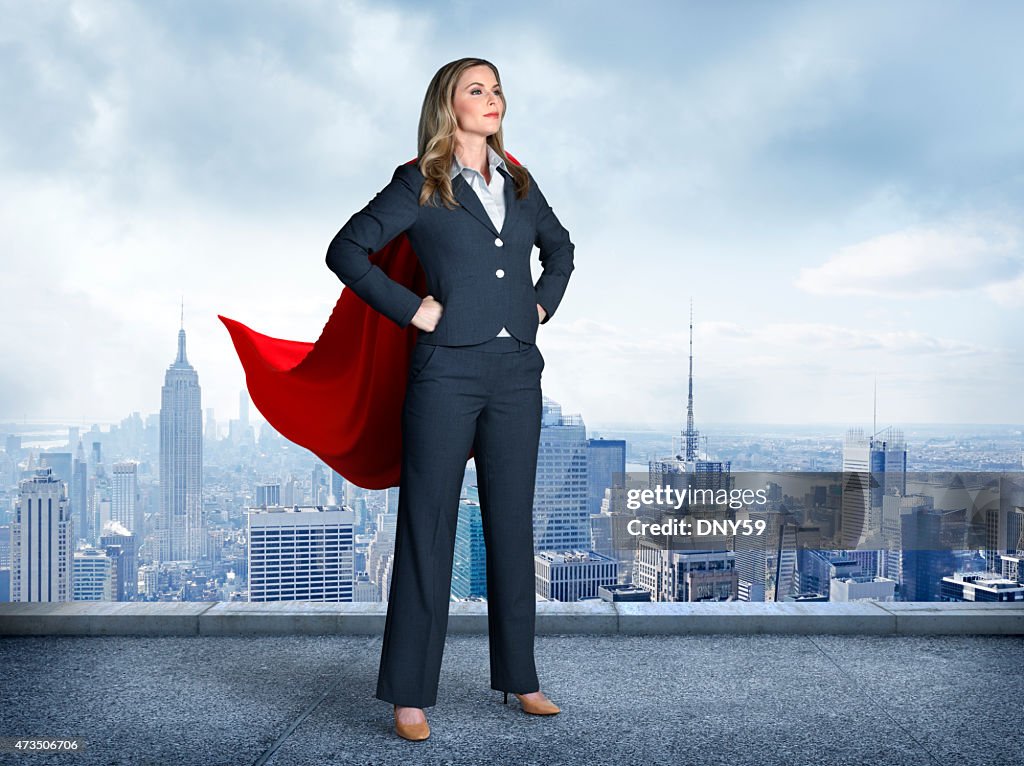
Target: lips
(492, 114)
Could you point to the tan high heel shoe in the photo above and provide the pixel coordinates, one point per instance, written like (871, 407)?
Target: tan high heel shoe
(411, 731)
(536, 707)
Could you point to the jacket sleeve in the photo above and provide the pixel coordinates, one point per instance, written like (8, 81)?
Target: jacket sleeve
(556, 255)
(392, 211)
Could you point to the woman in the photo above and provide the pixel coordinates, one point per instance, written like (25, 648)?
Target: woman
(474, 379)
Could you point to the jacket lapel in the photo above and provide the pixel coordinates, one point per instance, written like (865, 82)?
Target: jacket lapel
(511, 203)
(468, 199)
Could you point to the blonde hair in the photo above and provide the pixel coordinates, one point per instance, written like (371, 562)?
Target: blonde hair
(436, 139)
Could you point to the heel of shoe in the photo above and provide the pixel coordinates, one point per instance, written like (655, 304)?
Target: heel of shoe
(506, 698)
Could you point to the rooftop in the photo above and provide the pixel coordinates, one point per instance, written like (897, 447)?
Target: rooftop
(293, 683)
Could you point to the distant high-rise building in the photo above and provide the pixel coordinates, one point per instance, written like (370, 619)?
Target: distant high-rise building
(42, 540)
(5, 563)
(703, 575)
(240, 432)
(767, 564)
(79, 491)
(894, 510)
(873, 466)
(754, 554)
(291, 492)
(180, 521)
(5, 546)
(301, 554)
(95, 576)
(687, 576)
(125, 507)
(268, 495)
(380, 552)
(926, 555)
(320, 485)
(469, 569)
(149, 578)
(602, 530)
(610, 530)
(573, 575)
(606, 462)
(338, 488)
(561, 519)
(1015, 531)
(121, 546)
(210, 431)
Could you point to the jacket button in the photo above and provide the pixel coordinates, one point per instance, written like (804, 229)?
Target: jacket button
(499, 273)
(498, 242)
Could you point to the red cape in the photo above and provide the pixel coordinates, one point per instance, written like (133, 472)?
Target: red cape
(341, 397)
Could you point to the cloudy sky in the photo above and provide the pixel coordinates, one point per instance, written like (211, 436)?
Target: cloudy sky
(837, 186)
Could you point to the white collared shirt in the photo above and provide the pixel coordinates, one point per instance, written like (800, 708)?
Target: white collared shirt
(492, 195)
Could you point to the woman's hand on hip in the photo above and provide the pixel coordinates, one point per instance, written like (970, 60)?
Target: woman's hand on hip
(541, 313)
(428, 314)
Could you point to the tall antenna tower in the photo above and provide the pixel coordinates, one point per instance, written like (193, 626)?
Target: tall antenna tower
(690, 437)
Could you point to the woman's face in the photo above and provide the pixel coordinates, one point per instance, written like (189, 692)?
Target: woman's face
(478, 104)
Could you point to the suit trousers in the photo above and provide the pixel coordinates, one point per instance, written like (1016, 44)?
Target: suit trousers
(487, 397)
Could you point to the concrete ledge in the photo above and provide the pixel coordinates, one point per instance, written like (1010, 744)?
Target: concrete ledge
(557, 618)
(286, 618)
(861, 618)
(956, 618)
(97, 618)
(101, 618)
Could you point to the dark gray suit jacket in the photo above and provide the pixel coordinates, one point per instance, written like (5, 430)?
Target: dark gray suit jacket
(481, 276)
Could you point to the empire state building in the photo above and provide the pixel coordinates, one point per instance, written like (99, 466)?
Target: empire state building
(180, 529)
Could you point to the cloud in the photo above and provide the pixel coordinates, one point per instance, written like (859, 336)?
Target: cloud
(158, 148)
(921, 261)
(240, 110)
(1009, 294)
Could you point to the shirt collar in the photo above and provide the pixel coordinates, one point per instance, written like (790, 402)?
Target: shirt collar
(493, 159)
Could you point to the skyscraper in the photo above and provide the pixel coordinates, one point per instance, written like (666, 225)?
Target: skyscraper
(873, 466)
(606, 462)
(42, 540)
(267, 494)
(95, 576)
(121, 547)
(469, 567)
(301, 554)
(124, 496)
(180, 523)
(79, 489)
(561, 519)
